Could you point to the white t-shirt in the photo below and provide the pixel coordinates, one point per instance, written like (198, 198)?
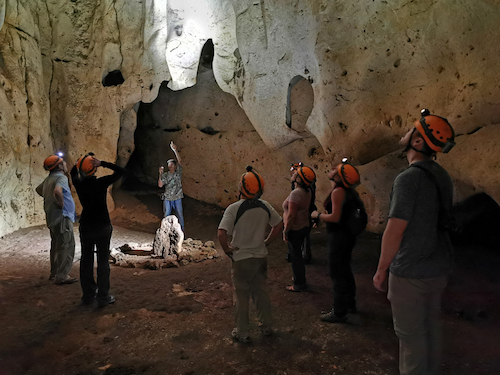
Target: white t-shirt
(250, 231)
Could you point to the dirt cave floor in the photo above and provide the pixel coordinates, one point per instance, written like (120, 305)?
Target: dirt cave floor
(179, 320)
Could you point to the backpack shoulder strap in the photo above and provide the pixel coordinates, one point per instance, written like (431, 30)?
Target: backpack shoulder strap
(248, 204)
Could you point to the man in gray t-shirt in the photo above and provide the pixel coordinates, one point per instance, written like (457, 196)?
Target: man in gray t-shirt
(415, 249)
(172, 181)
(60, 214)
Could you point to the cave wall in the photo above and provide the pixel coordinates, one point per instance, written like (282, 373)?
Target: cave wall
(370, 67)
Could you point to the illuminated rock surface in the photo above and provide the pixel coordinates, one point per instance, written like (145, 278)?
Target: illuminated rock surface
(311, 81)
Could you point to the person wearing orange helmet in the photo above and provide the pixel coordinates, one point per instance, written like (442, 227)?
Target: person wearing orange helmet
(306, 246)
(415, 249)
(342, 199)
(60, 215)
(95, 226)
(297, 223)
(247, 221)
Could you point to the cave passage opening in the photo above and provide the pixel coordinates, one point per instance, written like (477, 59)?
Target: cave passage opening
(299, 104)
(147, 130)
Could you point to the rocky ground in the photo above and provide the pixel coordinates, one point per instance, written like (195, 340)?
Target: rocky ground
(179, 320)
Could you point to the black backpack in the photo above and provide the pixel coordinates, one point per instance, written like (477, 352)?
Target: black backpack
(354, 216)
(248, 204)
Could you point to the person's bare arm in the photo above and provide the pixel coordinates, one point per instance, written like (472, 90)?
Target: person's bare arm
(226, 246)
(177, 156)
(338, 196)
(290, 218)
(160, 172)
(275, 232)
(59, 196)
(391, 241)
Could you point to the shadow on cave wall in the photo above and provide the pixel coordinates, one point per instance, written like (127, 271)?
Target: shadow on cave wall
(479, 215)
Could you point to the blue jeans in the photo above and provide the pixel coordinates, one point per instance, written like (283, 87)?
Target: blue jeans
(176, 205)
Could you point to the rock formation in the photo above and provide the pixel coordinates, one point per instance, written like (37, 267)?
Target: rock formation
(244, 82)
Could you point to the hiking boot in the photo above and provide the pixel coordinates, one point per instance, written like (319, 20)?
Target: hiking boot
(67, 280)
(331, 317)
(238, 338)
(101, 302)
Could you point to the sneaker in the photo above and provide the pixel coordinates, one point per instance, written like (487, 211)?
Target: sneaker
(330, 317)
(242, 339)
(109, 299)
(67, 280)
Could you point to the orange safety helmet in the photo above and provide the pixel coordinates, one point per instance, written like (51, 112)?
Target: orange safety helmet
(251, 184)
(348, 174)
(294, 166)
(436, 131)
(51, 162)
(85, 165)
(306, 174)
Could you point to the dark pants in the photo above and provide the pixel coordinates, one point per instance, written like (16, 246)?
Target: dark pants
(295, 242)
(100, 240)
(250, 282)
(340, 246)
(306, 246)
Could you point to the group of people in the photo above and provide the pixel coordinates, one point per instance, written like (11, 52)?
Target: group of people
(95, 224)
(247, 220)
(416, 250)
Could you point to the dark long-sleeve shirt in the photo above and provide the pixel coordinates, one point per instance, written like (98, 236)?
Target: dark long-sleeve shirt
(92, 192)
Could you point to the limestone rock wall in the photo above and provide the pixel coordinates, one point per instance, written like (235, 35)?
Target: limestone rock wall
(74, 72)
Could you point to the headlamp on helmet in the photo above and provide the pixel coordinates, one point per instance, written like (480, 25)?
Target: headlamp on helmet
(294, 166)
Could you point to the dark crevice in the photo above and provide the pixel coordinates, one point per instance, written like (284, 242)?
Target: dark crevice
(209, 130)
(172, 130)
(114, 78)
(207, 54)
(475, 130)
